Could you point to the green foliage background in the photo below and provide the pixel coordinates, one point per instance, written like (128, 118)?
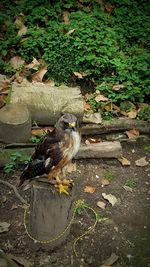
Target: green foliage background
(109, 48)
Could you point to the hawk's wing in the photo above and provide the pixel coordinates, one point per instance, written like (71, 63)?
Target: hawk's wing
(48, 153)
(54, 148)
(47, 143)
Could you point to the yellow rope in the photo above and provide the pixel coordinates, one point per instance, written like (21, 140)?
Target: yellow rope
(88, 231)
(46, 241)
(77, 204)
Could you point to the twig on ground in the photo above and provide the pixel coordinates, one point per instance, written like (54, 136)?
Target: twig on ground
(15, 191)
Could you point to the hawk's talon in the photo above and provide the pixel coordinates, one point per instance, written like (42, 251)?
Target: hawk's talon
(62, 189)
(64, 185)
(58, 180)
(68, 182)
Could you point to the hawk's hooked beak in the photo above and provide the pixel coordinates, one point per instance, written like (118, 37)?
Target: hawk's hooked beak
(72, 125)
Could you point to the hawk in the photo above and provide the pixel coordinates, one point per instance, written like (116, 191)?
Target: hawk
(54, 151)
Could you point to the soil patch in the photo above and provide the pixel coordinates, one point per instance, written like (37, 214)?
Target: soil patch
(123, 229)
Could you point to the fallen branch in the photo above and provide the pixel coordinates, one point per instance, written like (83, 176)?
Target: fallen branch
(15, 191)
(19, 145)
(116, 125)
(7, 261)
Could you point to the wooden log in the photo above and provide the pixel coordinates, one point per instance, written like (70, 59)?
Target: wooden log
(47, 103)
(120, 124)
(50, 214)
(103, 150)
(15, 123)
(100, 150)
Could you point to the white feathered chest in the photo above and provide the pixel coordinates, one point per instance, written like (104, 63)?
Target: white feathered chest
(76, 140)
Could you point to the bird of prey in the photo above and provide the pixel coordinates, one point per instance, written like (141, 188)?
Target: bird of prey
(54, 151)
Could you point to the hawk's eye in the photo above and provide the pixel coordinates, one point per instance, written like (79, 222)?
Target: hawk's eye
(65, 124)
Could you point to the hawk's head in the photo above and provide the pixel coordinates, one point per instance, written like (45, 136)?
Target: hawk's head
(68, 122)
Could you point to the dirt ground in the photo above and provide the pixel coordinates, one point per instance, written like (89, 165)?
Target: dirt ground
(123, 229)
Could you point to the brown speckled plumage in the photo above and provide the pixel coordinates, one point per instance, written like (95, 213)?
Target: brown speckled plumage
(54, 150)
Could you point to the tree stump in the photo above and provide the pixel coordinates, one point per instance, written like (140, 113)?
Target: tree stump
(15, 123)
(50, 214)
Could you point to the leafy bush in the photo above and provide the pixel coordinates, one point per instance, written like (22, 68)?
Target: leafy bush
(109, 47)
(144, 113)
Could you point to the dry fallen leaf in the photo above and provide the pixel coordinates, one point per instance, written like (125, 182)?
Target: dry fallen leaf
(71, 31)
(116, 108)
(20, 25)
(65, 15)
(16, 62)
(18, 21)
(127, 188)
(80, 75)
(104, 182)
(22, 31)
(89, 189)
(38, 76)
(33, 65)
(97, 92)
(99, 98)
(40, 132)
(86, 105)
(133, 134)
(4, 227)
(101, 205)
(71, 167)
(108, 8)
(124, 113)
(124, 161)
(87, 96)
(141, 162)
(108, 106)
(50, 82)
(111, 260)
(93, 141)
(111, 198)
(36, 132)
(117, 87)
(132, 114)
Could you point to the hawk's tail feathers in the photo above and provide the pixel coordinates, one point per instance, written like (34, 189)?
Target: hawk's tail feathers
(34, 168)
